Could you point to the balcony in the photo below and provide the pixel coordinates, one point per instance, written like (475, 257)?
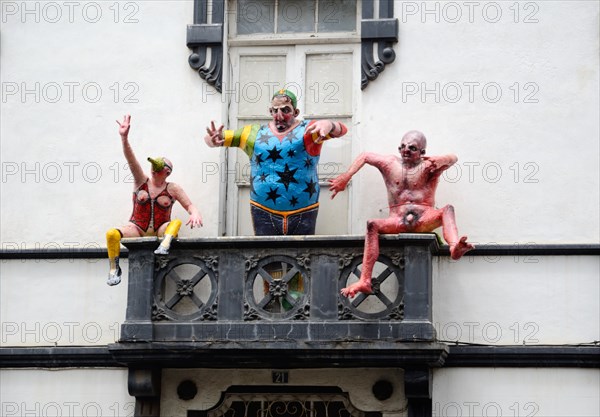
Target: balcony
(240, 297)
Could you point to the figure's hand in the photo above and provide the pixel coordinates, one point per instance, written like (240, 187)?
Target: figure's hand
(124, 126)
(338, 184)
(432, 164)
(321, 128)
(214, 136)
(195, 221)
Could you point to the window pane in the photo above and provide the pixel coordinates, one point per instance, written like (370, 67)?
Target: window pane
(329, 91)
(296, 16)
(255, 17)
(337, 15)
(257, 77)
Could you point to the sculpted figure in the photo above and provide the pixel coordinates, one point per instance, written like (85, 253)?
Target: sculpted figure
(284, 154)
(411, 181)
(153, 199)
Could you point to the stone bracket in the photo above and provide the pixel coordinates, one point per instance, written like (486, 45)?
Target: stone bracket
(202, 36)
(384, 32)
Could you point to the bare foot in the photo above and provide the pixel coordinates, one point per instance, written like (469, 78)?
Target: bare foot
(360, 286)
(460, 248)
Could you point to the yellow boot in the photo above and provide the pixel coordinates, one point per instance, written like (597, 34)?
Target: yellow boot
(113, 244)
(170, 233)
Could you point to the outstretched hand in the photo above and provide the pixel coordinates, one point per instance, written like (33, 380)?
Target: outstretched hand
(124, 126)
(321, 128)
(195, 221)
(338, 184)
(214, 136)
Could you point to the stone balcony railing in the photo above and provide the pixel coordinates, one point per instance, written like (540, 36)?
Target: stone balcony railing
(246, 293)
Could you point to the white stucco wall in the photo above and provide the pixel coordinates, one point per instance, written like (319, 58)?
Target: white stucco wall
(64, 180)
(512, 392)
(72, 392)
(528, 166)
(60, 303)
(508, 300)
(528, 170)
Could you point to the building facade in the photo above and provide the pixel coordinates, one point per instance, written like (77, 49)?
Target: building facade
(231, 324)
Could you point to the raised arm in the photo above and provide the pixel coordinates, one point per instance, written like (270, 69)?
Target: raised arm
(195, 219)
(139, 177)
(341, 181)
(214, 136)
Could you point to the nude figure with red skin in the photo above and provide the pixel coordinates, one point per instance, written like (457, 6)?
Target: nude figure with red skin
(411, 180)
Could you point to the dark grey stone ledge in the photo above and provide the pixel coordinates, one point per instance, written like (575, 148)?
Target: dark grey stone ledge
(485, 249)
(287, 355)
(189, 355)
(524, 356)
(57, 357)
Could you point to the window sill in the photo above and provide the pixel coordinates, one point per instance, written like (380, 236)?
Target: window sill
(294, 39)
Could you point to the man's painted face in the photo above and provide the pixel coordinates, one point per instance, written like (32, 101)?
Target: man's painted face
(411, 149)
(283, 113)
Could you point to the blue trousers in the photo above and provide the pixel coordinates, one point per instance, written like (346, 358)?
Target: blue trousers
(267, 223)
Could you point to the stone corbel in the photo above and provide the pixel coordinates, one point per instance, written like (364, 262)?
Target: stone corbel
(384, 32)
(417, 388)
(203, 35)
(144, 385)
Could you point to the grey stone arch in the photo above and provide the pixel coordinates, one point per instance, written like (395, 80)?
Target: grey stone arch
(378, 34)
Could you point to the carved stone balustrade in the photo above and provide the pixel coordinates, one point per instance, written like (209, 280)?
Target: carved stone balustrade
(234, 296)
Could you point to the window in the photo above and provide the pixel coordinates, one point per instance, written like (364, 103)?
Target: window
(295, 16)
(271, 45)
